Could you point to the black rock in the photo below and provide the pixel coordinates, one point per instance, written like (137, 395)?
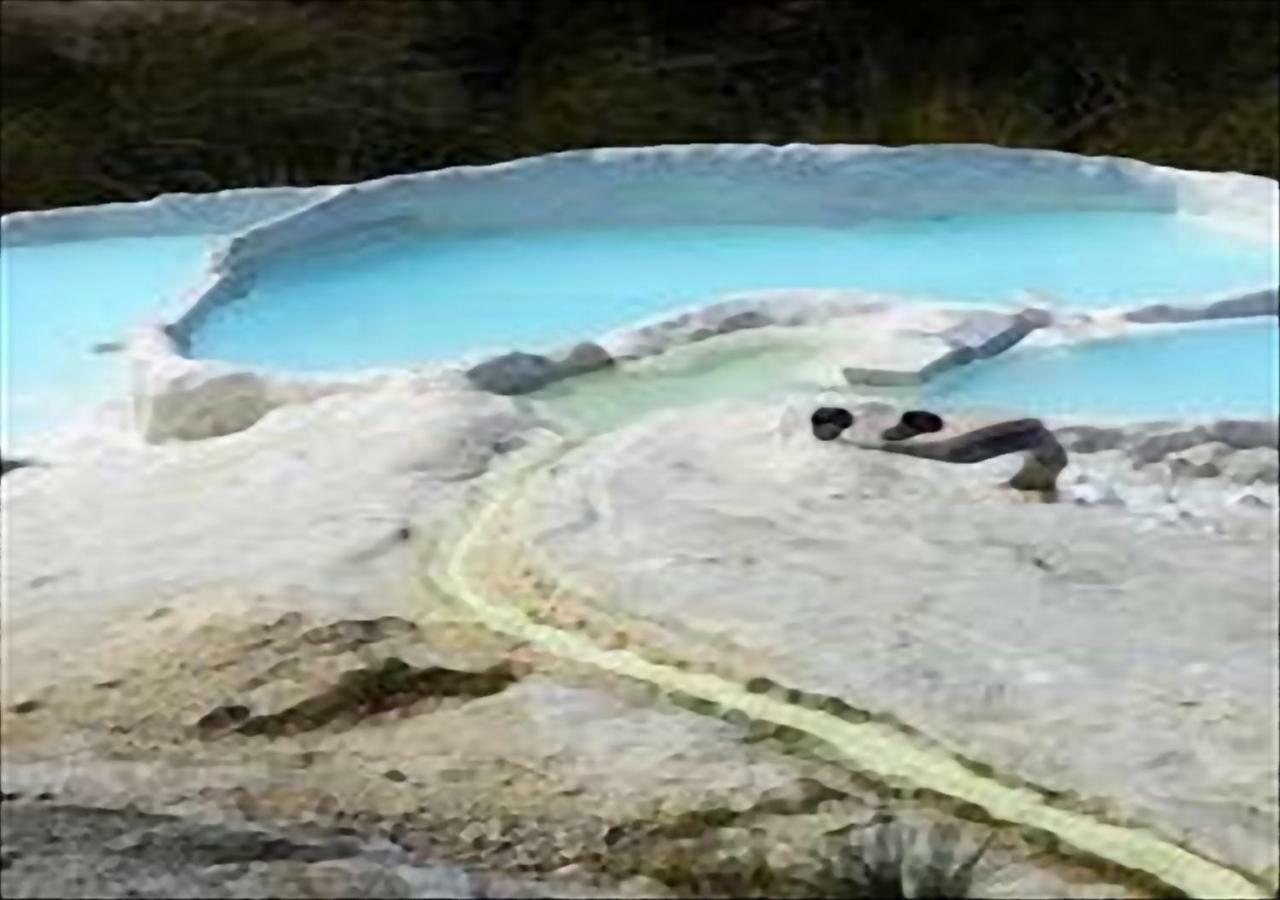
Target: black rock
(912, 423)
(8, 465)
(830, 421)
(742, 321)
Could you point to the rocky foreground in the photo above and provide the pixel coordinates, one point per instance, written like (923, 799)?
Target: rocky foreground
(225, 676)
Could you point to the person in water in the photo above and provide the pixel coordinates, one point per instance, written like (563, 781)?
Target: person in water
(1045, 456)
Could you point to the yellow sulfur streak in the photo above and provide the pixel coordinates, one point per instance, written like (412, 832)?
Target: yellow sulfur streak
(873, 748)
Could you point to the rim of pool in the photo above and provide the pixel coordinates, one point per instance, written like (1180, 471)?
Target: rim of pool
(654, 248)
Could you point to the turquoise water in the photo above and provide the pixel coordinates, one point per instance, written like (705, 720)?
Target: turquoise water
(1194, 371)
(689, 376)
(434, 296)
(58, 300)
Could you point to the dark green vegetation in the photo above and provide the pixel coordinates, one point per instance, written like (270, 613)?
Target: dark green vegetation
(123, 99)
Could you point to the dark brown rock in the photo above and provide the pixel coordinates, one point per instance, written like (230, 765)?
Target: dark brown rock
(395, 685)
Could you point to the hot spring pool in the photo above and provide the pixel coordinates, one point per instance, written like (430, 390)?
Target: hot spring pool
(435, 295)
(431, 296)
(1203, 370)
(612, 398)
(58, 300)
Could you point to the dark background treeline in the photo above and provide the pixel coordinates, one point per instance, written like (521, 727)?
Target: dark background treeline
(123, 99)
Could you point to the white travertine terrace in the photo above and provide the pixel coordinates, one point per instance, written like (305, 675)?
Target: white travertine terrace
(177, 397)
(1114, 647)
(230, 211)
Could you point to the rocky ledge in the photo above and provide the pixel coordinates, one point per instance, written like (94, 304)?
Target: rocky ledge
(235, 636)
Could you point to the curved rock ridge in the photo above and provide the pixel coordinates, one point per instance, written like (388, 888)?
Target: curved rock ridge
(224, 212)
(796, 183)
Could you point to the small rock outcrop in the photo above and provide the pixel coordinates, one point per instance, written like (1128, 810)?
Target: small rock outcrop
(1158, 446)
(523, 373)
(1260, 303)
(513, 373)
(583, 358)
(1246, 434)
(394, 684)
(1201, 461)
(1259, 465)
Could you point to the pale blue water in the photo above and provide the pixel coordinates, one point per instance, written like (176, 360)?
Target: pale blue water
(434, 296)
(1204, 370)
(57, 300)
